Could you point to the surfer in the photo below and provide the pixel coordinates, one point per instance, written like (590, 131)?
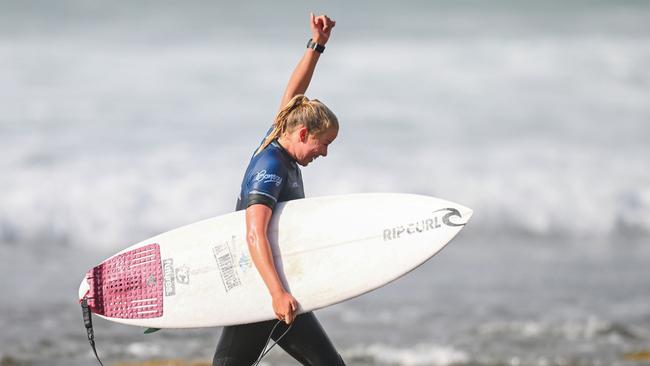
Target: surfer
(301, 132)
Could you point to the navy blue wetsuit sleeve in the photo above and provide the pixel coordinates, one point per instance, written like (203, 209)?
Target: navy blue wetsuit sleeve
(265, 182)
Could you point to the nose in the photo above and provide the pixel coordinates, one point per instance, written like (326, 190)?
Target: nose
(324, 151)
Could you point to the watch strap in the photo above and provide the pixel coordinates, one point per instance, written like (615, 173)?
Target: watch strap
(315, 46)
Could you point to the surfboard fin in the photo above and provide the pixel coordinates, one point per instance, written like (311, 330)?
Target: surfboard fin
(151, 330)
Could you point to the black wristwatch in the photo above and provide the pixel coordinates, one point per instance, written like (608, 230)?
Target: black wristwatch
(315, 46)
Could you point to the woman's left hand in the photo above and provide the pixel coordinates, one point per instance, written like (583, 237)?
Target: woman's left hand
(321, 28)
(284, 306)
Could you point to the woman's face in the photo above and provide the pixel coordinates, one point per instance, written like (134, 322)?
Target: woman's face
(311, 146)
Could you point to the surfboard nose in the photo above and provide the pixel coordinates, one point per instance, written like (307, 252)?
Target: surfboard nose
(465, 212)
(450, 213)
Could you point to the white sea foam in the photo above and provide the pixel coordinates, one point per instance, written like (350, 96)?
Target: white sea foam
(419, 354)
(142, 350)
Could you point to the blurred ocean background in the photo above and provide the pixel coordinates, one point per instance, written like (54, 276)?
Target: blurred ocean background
(121, 120)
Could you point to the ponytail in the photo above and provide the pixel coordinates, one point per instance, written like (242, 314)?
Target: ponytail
(300, 111)
(280, 123)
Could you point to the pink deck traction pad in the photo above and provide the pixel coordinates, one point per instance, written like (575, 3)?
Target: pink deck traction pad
(128, 285)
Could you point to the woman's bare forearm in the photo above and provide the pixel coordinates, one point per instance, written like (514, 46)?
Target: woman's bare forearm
(301, 76)
(257, 219)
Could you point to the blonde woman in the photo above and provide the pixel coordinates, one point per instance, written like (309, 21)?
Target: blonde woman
(302, 131)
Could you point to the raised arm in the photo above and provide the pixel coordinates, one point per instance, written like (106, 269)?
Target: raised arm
(321, 28)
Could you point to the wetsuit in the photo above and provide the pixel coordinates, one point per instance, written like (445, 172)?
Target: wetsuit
(273, 176)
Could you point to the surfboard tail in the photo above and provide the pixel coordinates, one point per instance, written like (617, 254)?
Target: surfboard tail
(127, 286)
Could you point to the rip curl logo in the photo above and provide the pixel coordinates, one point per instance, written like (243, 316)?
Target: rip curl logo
(424, 225)
(264, 177)
(451, 213)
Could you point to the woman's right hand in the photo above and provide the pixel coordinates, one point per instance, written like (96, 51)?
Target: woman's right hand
(285, 306)
(321, 28)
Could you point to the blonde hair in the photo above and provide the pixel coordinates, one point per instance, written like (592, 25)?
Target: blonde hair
(300, 111)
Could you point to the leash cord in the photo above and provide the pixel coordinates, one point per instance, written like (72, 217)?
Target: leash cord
(88, 322)
(264, 352)
(87, 317)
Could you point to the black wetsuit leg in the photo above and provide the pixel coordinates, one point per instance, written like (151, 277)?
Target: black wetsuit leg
(306, 341)
(241, 345)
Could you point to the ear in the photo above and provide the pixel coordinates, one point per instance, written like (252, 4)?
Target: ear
(303, 134)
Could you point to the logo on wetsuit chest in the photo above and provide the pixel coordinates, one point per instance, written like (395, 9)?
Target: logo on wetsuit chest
(264, 177)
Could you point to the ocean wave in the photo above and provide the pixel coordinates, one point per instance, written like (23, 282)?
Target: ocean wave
(114, 201)
(521, 130)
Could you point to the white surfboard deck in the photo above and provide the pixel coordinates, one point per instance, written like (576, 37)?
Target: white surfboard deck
(326, 250)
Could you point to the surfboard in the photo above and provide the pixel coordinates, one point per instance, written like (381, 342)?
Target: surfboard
(326, 250)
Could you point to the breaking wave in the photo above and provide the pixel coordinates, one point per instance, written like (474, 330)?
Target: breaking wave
(87, 163)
